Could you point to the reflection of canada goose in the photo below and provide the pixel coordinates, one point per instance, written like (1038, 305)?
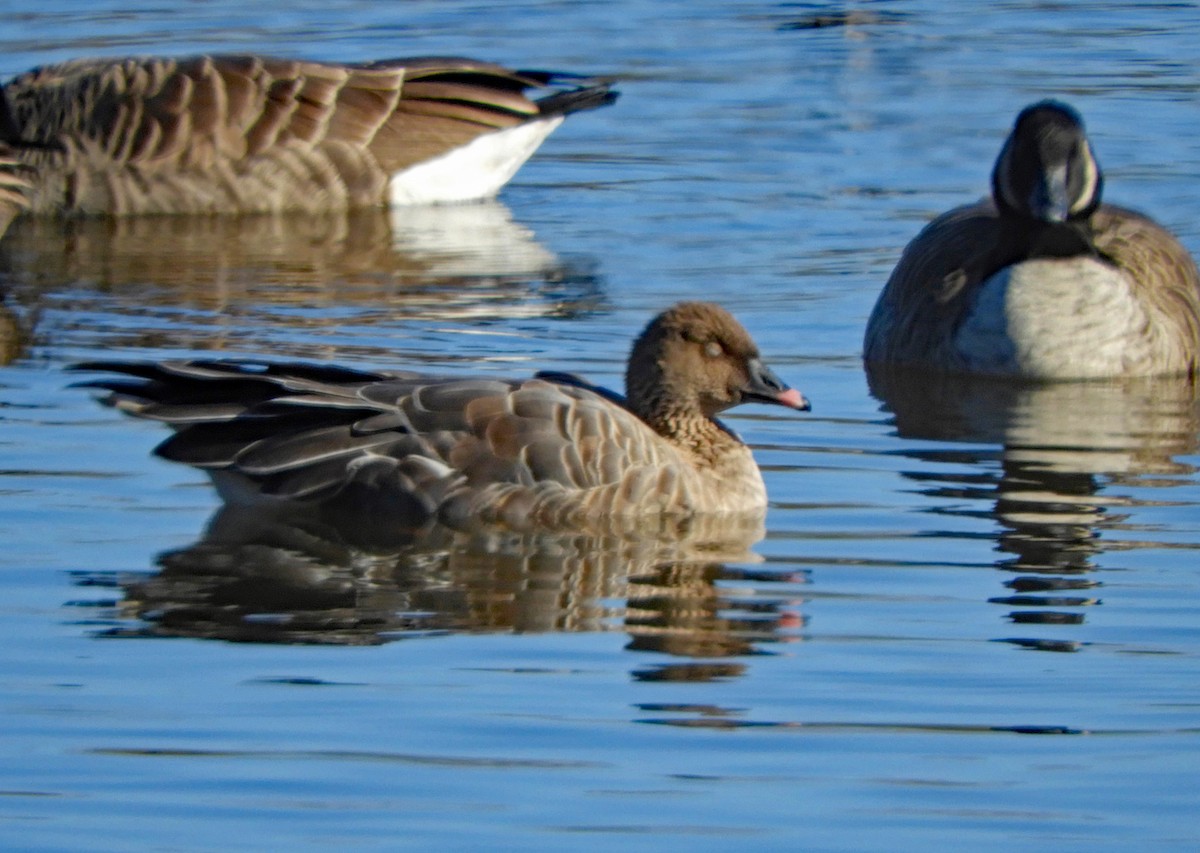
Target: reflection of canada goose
(551, 452)
(1042, 281)
(242, 134)
(451, 253)
(1130, 428)
(1076, 464)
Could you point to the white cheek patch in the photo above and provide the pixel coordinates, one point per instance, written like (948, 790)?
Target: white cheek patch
(1091, 180)
(476, 170)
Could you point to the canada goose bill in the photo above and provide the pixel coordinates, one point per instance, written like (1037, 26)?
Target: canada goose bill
(1043, 280)
(552, 452)
(251, 134)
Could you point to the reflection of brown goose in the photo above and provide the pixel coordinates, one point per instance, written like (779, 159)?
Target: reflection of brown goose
(1042, 281)
(297, 576)
(679, 608)
(320, 588)
(551, 452)
(242, 134)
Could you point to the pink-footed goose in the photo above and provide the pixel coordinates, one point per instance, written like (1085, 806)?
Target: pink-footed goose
(250, 134)
(551, 452)
(1042, 281)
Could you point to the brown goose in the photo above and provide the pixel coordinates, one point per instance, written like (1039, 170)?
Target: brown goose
(249, 134)
(1042, 281)
(552, 452)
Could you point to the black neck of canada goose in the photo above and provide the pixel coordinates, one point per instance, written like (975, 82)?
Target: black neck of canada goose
(1047, 180)
(692, 362)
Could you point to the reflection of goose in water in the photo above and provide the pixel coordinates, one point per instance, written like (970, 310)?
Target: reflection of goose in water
(471, 253)
(15, 332)
(1065, 449)
(284, 272)
(304, 577)
(469, 241)
(712, 611)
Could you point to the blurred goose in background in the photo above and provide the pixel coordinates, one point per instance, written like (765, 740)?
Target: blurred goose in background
(249, 134)
(552, 452)
(1042, 281)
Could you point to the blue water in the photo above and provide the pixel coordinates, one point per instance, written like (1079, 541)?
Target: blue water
(973, 620)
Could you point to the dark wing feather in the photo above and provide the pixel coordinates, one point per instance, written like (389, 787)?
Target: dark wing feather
(934, 284)
(1161, 268)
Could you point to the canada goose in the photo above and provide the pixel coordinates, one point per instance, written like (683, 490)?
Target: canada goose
(1042, 281)
(14, 188)
(552, 452)
(249, 134)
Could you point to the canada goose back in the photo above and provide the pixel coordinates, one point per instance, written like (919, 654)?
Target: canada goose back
(550, 452)
(249, 134)
(1043, 281)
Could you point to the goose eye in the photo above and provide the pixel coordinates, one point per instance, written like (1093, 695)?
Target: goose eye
(712, 349)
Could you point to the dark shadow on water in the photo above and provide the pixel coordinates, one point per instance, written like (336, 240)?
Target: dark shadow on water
(1053, 465)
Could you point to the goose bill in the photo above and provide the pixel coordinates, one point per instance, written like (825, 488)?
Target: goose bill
(765, 387)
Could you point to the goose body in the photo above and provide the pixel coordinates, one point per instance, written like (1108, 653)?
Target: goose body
(14, 188)
(1043, 280)
(550, 452)
(250, 134)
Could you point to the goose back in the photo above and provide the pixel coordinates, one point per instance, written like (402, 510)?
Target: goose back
(250, 134)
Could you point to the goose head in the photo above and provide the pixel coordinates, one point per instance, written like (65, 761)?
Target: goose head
(696, 360)
(1046, 171)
